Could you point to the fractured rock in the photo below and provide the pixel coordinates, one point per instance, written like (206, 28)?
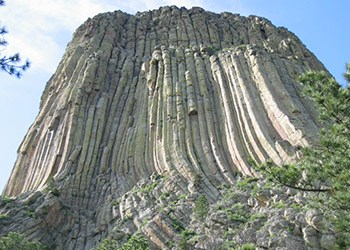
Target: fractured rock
(187, 95)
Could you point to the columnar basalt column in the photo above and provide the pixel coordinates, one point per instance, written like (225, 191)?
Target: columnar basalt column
(168, 92)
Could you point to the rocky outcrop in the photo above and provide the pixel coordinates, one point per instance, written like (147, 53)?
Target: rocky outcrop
(186, 95)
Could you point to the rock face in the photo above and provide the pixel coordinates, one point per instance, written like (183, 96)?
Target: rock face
(164, 103)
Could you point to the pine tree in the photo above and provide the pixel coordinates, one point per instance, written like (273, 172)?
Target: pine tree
(324, 169)
(10, 64)
(201, 207)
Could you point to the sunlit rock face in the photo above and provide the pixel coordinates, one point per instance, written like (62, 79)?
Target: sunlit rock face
(171, 92)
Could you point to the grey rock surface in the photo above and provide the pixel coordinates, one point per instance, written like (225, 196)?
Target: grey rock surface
(145, 112)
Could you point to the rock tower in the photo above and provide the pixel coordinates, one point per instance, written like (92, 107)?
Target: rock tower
(165, 103)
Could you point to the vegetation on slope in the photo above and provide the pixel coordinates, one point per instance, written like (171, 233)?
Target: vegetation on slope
(18, 241)
(324, 169)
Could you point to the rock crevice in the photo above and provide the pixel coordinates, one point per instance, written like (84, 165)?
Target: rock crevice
(168, 92)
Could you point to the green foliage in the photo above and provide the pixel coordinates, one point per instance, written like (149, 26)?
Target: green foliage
(235, 217)
(280, 205)
(212, 50)
(198, 179)
(247, 246)
(149, 188)
(296, 206)
(116, 202)
(229, 194)
(247, 183)
(171, 244)
(347, 73)
(237, 213)
(18, 241)
(31, 213)
(176, 223)
(165, 195)
(144, 222)
(229, 245)
(108, 244)
(51, 187)
(232, 245)
(135, 242)
(6, 199)
(201, 207)
(223, 187)
(10, 64)
(255, 217)
(324, 169)
(183, 244)
(185, 235)
(3, 216)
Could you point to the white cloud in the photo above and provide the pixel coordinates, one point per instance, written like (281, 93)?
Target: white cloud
(40, 29)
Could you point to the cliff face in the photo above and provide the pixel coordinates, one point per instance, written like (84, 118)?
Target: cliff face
(176, 97)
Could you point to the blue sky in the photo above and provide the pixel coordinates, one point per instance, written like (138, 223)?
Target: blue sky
(41, 29)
